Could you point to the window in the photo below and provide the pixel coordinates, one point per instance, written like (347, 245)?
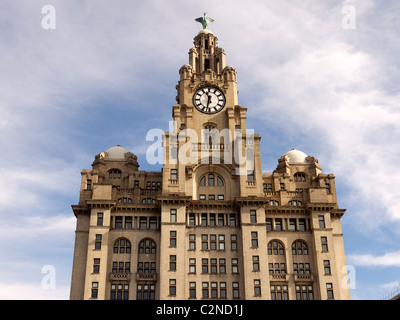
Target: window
(329, 290)
(146, 267)
(97, 243)
(256, 263)
(88, 184)
(172, 287)
(96, 265)
(275, 247)
(211, 180)
(143, 223)
(299, 247)
(173, 215)
(257, 287)
(328, 188)
(192, 289)
(192, 265)
(220, 182)
(221, 242)
(220, 220)
(120, 292)
(292, 224)
(99, 218)
(136, 183)
(114, 174)
(232, 220)
(253, 216)
(128, 222)
(273, 203)
(233, 242)
(211, 197)
(295, 203)
(204, 219)
(122, 246)
(212, 219)
(235, 290)
(192, 219)
(145, 291)
(204, 290)
(235, 266)
(174, 174)
(204, 265)
(269, 224)
(277, 268)
(118, 222)
(222, 265)
(304, 292)
(222, 289)
(321, 220)
(254, 239)
(250, 175)
(302, 224)
(172, 263)
(202, 197)
(153, 223)
(124, 200)
(282, 186)
(301, 268)
(203, 181)
(299, 177)
(213, 266)
(192, 242)
(147, 246)
(95, 288)
(204, 242)
(279, 292)
(172, 238)
(278, 224)
(121, 267)
(221, 197)
(324, 244)
(327, 267)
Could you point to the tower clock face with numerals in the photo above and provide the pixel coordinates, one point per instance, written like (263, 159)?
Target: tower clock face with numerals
(209, 100)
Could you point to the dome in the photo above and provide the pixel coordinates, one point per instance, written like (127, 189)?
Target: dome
(205, 31)
(296, 156)
(116, 152)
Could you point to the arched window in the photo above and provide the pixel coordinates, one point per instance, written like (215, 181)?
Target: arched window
(148, 201)
(273, 203)
(295, 203)
(122, 245)
(114, 174)
(276, 247)
(124, 200)
(299, 177)
(210, 179)
(299, 247)
(147, 246)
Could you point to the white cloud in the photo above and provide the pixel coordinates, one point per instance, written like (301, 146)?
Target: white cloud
(389, 259)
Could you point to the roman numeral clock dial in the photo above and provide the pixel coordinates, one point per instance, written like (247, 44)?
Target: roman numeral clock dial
(209, 100)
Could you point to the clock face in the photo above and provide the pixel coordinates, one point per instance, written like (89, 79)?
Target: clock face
(209, 100)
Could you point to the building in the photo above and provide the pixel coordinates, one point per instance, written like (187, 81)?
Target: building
(211, 225)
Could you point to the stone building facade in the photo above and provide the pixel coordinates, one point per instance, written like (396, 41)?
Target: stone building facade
(210, 225)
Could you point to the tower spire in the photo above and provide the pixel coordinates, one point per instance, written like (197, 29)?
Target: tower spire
(205, 21)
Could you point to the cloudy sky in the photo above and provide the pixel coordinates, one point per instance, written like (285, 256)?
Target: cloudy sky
(319, 76)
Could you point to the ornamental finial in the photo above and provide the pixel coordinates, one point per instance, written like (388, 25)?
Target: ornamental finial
(204, 20)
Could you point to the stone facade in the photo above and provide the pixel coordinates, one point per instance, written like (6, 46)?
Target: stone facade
(211, 225)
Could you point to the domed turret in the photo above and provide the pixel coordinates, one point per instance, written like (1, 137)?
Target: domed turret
(116, 153)
(296, 156)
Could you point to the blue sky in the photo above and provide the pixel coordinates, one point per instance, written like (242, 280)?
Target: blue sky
(107, 74)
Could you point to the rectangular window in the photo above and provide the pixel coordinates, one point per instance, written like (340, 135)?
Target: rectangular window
(204, 265)
(220, 197)
(279, 292)
(324, 244)
(192, 290)
(202, 197)
(192, 265)
(96, 265)
(212, 219)
(192, 242)
(89, 184)
(211, 197)
(172, 287)
(327, 267)
(172, 262)
(213, 242)
(205, 289)
(172, 215)
(292, 224)
(97, 243)
(222, 265)
(235, 290)
(233, 242)
(192, 219)
(328, 188)
(302, 224)
(143, 223)
(213, 266)
(329, 290)
(211, 180)
(100, 218)
(172, 238)
(222, 290)
(220, 220)
(118, 222)
(250, 175)
(204, 242)
(257, 287)
(278, 224)
(269, 224)
(221, 242)
(174, 174)
(254, 239)
(214, 290)
(204, 219)
(232, 220)
(304, 292)
(95, 288)
(128, 222)
(235, 266)
(321, 220)
(256, 263)
(253, 216)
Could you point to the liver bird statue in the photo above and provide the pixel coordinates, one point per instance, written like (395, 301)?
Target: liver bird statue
(204, 20)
